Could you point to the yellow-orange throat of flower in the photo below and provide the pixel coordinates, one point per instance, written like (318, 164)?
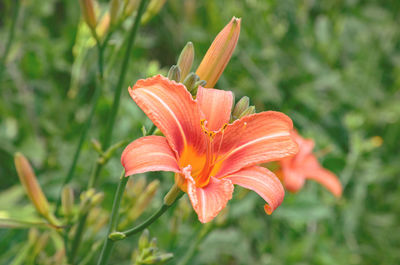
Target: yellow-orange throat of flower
(202, 165)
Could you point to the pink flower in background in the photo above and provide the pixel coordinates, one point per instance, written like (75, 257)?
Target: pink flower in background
(304, 165)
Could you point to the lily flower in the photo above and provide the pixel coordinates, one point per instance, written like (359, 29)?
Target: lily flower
(207, 154)
(304, 165)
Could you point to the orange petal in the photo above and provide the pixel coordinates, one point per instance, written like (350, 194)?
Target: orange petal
(172, 109)
(305, 147)
(216, 106)
(314, 171)
(254, 139)
(262, 181)
(292, 178)
(149, 153)
(211, 199)
(219, 53)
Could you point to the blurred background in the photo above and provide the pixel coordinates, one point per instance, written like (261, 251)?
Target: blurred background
(332, 66)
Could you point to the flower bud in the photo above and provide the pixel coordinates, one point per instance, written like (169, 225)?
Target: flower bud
(174, 73)
(97, 199)
(87, 9)
(248, 111)
(103, 25)
(145, 198)
(158, 258)
(32, 188)
(153, 243)
(137, 187)
(153, 8)
(219, 53)
(185, 60)
(33, 236)
(130, 7)
(172, 195)
(190, 83)
(114, 236)
(200, 83)
(97, 146)
(240, 107)
(114, 11)
(144, 240)
(67, 200)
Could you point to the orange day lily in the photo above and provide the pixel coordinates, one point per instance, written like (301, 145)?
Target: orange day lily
(207, 154)
(304, 165)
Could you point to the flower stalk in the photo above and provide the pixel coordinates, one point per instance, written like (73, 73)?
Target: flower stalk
(10, 37)
(114, 235)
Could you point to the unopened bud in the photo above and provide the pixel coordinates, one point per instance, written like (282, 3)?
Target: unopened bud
(185, 60)
(248, 111)
(87, 8)
(130, 7)
(97, 146)
(31, 185)
(103, 25)
(200, 83)
(67, 200)
(97, 198)
(190, 82)
(135, 188)
(219, 53)
(158, 258)
(86, 195)
(153, 243)
(112, 149)
(144, 240)
(114, 11)
(174, 73)
(145, 198)
(115, 236)
(172, 195)
(153, 8)
(240, 107)
(33, 236)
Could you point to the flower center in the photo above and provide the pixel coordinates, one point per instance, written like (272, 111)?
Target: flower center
(204, 164)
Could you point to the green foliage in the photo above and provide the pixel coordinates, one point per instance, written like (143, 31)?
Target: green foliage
(332, 66)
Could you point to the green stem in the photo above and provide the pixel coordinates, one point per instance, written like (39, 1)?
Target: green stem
(88, 122)
(117, 96)
(10, 38)
(148, 222)
(93, 177)
(107, 248)
(194, 246)
(107, 139)
(106, 251)
(78, 237)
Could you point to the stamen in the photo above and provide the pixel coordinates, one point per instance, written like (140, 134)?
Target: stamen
(220, 142)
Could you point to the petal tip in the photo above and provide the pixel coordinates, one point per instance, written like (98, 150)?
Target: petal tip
(268, 209)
